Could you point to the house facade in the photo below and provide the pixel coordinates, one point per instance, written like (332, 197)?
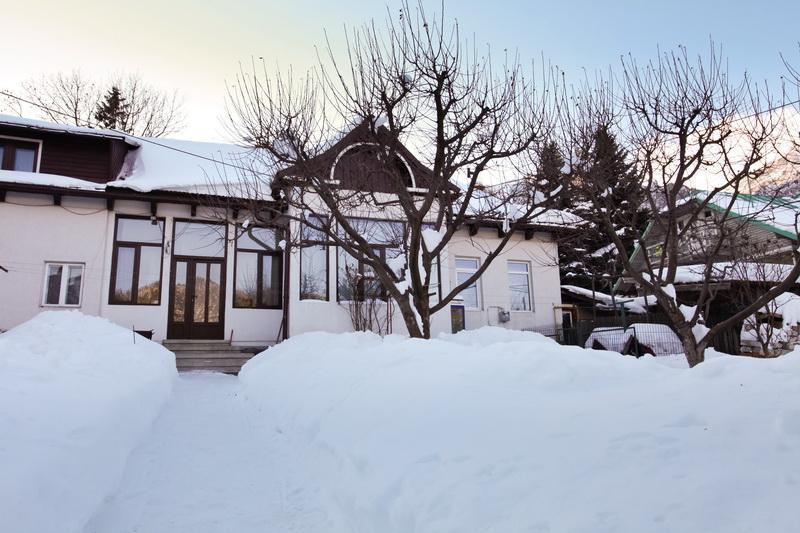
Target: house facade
(135, 230)
(748, 241)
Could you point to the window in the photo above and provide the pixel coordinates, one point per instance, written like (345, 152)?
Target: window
(199, 239)
(136, 263)
(356, 280)
(314, 262)
(259, 269)
(62, 284)
(519, 285)
(466, 267)
(434, 286)
(19, 154)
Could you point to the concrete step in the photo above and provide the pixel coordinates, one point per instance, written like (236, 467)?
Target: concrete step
(212, 362)
(234, 370)
(213, 355)
(202, 348)
(217, 356)
(196, 341)
(228, 366)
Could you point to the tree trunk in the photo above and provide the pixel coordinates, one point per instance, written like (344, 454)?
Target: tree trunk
(694, 353)
(410, 319)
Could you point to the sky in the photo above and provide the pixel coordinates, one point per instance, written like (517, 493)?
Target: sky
(197, 46)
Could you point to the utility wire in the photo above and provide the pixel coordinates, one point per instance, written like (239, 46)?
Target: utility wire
(88, 124)
(222, 162)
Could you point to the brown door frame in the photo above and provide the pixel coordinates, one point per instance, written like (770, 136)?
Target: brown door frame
(188, 329)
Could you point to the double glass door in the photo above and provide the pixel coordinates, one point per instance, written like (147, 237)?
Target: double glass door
(197, 295)
(197, 300)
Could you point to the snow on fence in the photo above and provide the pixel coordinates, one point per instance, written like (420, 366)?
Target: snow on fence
(638, 338)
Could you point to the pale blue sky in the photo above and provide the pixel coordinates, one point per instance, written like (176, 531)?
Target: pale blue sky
(195, 45)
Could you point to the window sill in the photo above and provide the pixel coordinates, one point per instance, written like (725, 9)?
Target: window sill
(57, 306)
(134, 305)
(379, 301)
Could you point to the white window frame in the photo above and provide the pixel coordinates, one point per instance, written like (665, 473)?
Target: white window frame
(477, 281)
(28, 140)
(62, 292)
(528, 271)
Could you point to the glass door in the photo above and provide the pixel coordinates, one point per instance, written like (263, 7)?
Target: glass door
(197, 295)
(197, 299)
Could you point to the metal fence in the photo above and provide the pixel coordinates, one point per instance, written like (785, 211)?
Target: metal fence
(640, 336)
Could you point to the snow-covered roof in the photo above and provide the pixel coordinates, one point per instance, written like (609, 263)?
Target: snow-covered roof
(485, 205)
(730, 271)
(155, 164)
(778, 214)
(42, 125)
(637, 305)
(787, 306)
(50, 180)
(195, 167)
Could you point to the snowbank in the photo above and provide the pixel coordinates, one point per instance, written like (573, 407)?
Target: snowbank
(76, 396)
(516, 433)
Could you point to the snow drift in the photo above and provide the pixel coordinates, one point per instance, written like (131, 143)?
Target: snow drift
(501, 431)
(76, 396)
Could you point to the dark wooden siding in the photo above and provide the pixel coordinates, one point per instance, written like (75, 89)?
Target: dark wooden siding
(96, 159)
(359, 168)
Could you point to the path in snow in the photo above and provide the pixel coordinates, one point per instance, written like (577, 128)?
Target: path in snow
(211, 464)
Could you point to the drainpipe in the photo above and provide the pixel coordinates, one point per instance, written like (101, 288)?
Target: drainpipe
(287, 252)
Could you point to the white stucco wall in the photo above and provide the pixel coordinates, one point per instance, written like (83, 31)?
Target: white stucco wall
(242, 326)
(82, 231)
(540, 253)
(34, 231)
(334, 316)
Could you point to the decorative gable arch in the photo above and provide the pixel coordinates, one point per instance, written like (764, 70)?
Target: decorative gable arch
(356, 157)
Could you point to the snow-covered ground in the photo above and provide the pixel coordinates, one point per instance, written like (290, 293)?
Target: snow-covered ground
(474, 433)
(76, 397)
(487, 430)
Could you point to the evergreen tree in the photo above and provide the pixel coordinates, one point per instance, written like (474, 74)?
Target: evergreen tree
(112, 111)
(602, 170)
(550, 172)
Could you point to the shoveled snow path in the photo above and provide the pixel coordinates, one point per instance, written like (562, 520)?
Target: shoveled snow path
(211, 464)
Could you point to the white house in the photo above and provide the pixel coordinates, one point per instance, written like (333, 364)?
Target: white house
(126, 228)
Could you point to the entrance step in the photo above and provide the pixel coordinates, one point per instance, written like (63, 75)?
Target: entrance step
(218, 356)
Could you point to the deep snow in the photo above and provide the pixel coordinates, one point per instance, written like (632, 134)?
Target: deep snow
(76, 396)
(488, 430)
(474, 433)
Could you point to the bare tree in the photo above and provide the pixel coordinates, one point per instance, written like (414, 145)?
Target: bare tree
(770, 329)
(74, 98)
(61, 97)
(687, 126)
(365, 301)
(417, 83)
